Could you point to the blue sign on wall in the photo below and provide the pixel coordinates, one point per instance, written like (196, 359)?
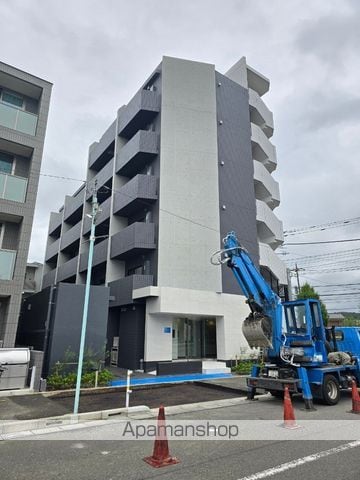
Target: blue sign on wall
(167, 329)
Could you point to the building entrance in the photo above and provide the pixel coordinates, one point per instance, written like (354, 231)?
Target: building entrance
(194, 338)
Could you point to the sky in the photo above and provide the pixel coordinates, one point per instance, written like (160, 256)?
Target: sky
(98, 53)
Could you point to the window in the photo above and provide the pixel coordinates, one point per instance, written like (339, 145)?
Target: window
(339, 335)
(12, 99)
(6, 163)
(135, 270)
(315, 314)
(296, 319)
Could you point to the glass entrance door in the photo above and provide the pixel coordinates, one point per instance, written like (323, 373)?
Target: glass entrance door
(194, 338)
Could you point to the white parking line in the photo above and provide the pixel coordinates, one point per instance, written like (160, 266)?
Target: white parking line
(301, 461)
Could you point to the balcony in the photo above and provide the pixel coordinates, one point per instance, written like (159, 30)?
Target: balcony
(52, 249)
(12, 117)
(260, 114)
(122, 289)
(262, 149)
(266, 188)
(133, 240)
(100, 256)
(71, 236)
(55, 223)
(139, 112)
(67, 269)
(269, 227)
(101, 178)
(49, 279)
(13, 187)
(268, 258)
(257, 81)
(101, 217)
(137, 153)
(7, 264)
(137, 193)
(100, 152)
(73, 207)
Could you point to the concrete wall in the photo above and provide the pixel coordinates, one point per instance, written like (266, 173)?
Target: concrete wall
(189, 191)
(168, 303)
(53, 323)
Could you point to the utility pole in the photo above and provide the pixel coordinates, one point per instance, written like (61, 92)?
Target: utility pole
(297, 276)
(94, 211)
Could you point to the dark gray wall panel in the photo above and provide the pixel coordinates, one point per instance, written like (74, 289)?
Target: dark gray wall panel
(131, 336)
(67, 318)
(236, 176)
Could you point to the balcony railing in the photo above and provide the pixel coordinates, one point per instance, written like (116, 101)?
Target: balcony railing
(139, 191)
(7, 264)
(140, 111)
(13, 187)
(16, 119)
(71, 236)
(49, 278)
(121, 290)
(52, 249)
(100, 255)
(138, 152)
(67, 269)
(137, 238)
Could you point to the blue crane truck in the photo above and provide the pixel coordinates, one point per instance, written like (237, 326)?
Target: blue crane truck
(297, 350)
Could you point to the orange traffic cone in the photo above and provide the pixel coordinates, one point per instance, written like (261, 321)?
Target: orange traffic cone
(161, 456)
(289, 414)
(355, 398)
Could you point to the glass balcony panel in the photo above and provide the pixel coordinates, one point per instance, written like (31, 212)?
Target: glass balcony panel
(7, 262)
(2, 184)
(8, 116)
(26, 123)
(16, 119)
(15, 188)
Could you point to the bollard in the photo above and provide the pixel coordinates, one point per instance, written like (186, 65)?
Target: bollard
(128, 391)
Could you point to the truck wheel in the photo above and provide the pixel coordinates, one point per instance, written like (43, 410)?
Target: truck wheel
(277, 393)
(330, 390)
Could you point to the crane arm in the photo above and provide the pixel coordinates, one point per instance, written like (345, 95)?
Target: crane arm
(262, 325)
(261, 297)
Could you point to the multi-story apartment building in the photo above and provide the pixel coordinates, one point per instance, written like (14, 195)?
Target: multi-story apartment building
(188, 159)
(24, 104)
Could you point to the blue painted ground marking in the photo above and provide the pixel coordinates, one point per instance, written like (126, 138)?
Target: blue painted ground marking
(191, 377)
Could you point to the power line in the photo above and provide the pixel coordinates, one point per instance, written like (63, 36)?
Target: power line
(321, 227)
(338, 294)
(62, 178)
(148, 204)
(328, 241)
(336, 285)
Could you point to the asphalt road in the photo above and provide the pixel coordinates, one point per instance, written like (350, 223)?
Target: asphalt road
(70, 455)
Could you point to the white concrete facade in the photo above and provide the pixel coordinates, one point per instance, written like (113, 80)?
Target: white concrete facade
(189, 186)
(164, 304)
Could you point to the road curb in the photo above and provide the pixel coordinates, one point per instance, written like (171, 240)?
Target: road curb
(10, 427)
(25, 428)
